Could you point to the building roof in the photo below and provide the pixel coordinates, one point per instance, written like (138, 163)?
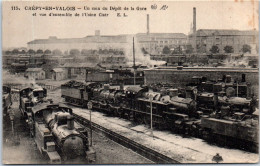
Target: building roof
(225, 32)
(58, 70)
(79, 65)
(34, 70)
(147, 37)
(87, 39)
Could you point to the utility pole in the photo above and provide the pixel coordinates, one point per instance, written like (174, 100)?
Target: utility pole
(134, 57)
(151, 108)
(90, 110)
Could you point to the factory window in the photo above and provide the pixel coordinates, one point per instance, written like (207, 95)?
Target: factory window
(165, 41)
(161, 41)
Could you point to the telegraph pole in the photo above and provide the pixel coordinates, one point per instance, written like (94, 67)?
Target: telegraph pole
(151, 109)
(134, 57)
(90, 110)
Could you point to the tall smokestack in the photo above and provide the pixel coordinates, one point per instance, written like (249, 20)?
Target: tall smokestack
(148, 30)
(194, 20)
(194, 30)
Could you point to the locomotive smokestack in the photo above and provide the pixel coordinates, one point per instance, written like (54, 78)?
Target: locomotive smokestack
(148, 28)
(70, 122)
(173, 92)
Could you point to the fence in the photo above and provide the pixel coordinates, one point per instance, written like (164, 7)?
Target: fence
(46, 86)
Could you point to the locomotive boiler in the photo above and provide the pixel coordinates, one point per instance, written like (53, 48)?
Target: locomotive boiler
(57, 136)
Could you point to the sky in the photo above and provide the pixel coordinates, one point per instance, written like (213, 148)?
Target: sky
(20, 27)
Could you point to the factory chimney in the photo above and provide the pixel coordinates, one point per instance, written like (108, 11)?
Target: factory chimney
(194, 30)
(148, 30)
(194, 20)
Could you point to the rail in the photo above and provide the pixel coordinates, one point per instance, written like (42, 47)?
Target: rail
(126, 142)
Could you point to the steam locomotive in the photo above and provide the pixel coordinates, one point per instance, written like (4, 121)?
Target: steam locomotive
(185, 112)
(57, 136)
(29, 97)
(7, 100)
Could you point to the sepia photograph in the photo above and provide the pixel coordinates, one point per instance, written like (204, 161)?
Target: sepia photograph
(130, 82)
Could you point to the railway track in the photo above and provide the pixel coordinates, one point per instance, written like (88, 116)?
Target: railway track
(138, 148)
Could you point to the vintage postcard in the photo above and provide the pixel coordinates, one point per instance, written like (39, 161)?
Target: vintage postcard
(130, 82)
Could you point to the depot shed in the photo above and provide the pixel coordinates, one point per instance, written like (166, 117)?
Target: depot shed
(35, 73)
(58, 74)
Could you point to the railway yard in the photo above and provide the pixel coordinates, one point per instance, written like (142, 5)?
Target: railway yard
(120, 141)
(168, 95)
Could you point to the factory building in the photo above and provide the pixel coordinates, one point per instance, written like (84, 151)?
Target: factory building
(202, 40)
(206, 38)
(95, 42)
(152, 42)
(155, 42)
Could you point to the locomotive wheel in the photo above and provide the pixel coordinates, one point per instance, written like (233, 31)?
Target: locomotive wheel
(139, 119)
(162, 125)
(147, 121)
(206, 134)
(129, 116)
(84, 105)
(116, 112)
(120, 113)
(109, 111)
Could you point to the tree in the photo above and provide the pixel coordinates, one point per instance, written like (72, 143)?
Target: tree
(31, 51)
(105, 51)
(229, 49)
(214, 49)
(84, 51)
(47, 51)
(15, 51)
(74, 52)
(56, 52)
(39, 51)
(8, 52)
(121, 53)
(201, 49)
(189, 49)
(23, 52)
(166, 50)
(246, 48)
(144, 51)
